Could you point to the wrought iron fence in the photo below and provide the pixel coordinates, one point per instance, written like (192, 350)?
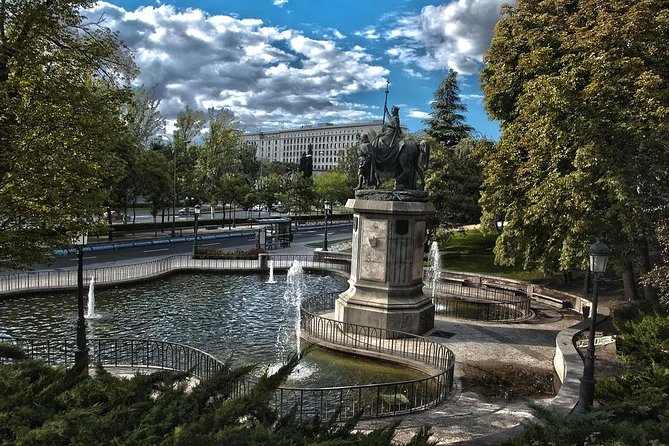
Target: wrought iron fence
(373, 400)
(132, 353)
(67, 279)
(489, 302)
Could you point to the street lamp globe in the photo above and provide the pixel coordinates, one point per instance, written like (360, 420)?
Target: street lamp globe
(198, 209)
(599, 256)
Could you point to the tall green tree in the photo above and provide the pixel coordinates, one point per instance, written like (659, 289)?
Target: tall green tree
(447, 121)
(332, 185)
(142, 117)
(348, 164)
(223, 163)
(155, 181)
(454, 182)
(580, 90)
(60, 99)
(453, 178)
(189, 126)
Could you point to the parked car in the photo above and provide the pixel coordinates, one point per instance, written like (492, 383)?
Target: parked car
(114, 216)
(186, 211)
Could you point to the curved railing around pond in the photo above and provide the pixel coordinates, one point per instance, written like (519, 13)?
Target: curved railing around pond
(55, 280)
(461, 298)
(123, 353)
(374, 400)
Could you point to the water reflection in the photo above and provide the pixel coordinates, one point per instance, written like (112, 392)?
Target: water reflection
(225, 315)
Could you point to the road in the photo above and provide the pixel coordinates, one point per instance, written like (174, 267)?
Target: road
(144, 216)
(124, 255)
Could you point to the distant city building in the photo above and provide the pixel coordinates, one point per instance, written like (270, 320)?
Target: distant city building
(329, 143)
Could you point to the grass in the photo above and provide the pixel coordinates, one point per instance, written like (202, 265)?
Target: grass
(471, 251)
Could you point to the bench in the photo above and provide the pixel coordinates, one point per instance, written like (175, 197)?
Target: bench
(552, 301)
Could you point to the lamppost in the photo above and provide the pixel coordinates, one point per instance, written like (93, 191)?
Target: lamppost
(174, 185)
(599, 257)
(197, 214)
(81, 353)
(327, 209)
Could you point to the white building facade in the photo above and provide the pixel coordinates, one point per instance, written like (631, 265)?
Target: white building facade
(329, 143)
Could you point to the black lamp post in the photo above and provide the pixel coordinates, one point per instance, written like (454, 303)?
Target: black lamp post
(599, 257)
(327, 209)
(197, 214)
(81, 353)
(174, 185)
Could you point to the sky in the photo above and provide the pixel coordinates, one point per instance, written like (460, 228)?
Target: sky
(281, 64)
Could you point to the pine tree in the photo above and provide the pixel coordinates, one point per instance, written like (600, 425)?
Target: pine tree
(447, 120)
(453, 178)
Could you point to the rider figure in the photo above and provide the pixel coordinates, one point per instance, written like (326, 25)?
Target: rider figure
(386, 141)
(366, 163)
(394, 125)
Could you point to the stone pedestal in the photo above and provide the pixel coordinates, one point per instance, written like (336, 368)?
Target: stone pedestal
(385, 288)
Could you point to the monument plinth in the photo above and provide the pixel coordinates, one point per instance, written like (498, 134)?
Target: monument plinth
(386, 283)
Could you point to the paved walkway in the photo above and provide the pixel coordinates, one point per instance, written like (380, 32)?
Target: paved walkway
(468, 418)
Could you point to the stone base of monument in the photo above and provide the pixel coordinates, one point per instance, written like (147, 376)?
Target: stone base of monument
(385, 287)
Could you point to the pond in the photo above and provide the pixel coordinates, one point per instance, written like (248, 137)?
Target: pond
(227, 315)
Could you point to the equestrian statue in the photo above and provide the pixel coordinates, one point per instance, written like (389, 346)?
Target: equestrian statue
(388, 151)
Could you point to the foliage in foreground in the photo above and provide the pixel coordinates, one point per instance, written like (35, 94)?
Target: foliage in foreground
(631, 409)
(43, 405)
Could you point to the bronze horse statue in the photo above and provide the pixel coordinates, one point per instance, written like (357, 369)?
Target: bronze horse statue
(405, 158)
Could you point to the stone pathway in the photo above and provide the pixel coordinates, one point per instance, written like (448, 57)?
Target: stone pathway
(468, 418)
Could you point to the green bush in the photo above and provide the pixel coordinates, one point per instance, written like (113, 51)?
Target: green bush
(632, 409)
(645, 341)
(216, 253)
(43, 405)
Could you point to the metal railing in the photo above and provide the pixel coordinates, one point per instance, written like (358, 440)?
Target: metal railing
(67, 279)
(373, 400)
(478, 301)
(131, 353)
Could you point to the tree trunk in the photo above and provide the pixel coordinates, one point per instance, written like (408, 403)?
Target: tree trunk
(649, 293)
(566, 276)
(586, 282)
(629, 285)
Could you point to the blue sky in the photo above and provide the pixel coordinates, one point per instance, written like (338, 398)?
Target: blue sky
(284, 63)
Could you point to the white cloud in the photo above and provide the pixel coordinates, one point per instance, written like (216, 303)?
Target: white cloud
(280, 3)
(414, 74)
(262, 73)
(453, 35)
(472, 97)
(419, 114)
(369, 33)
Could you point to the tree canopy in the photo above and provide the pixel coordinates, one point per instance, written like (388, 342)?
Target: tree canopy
(580, 90)
(447, 122)
(60, 97)
(453, 178)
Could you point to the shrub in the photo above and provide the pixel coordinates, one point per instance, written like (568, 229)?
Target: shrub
(645, 341)
(217, 253)
(58, 406)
